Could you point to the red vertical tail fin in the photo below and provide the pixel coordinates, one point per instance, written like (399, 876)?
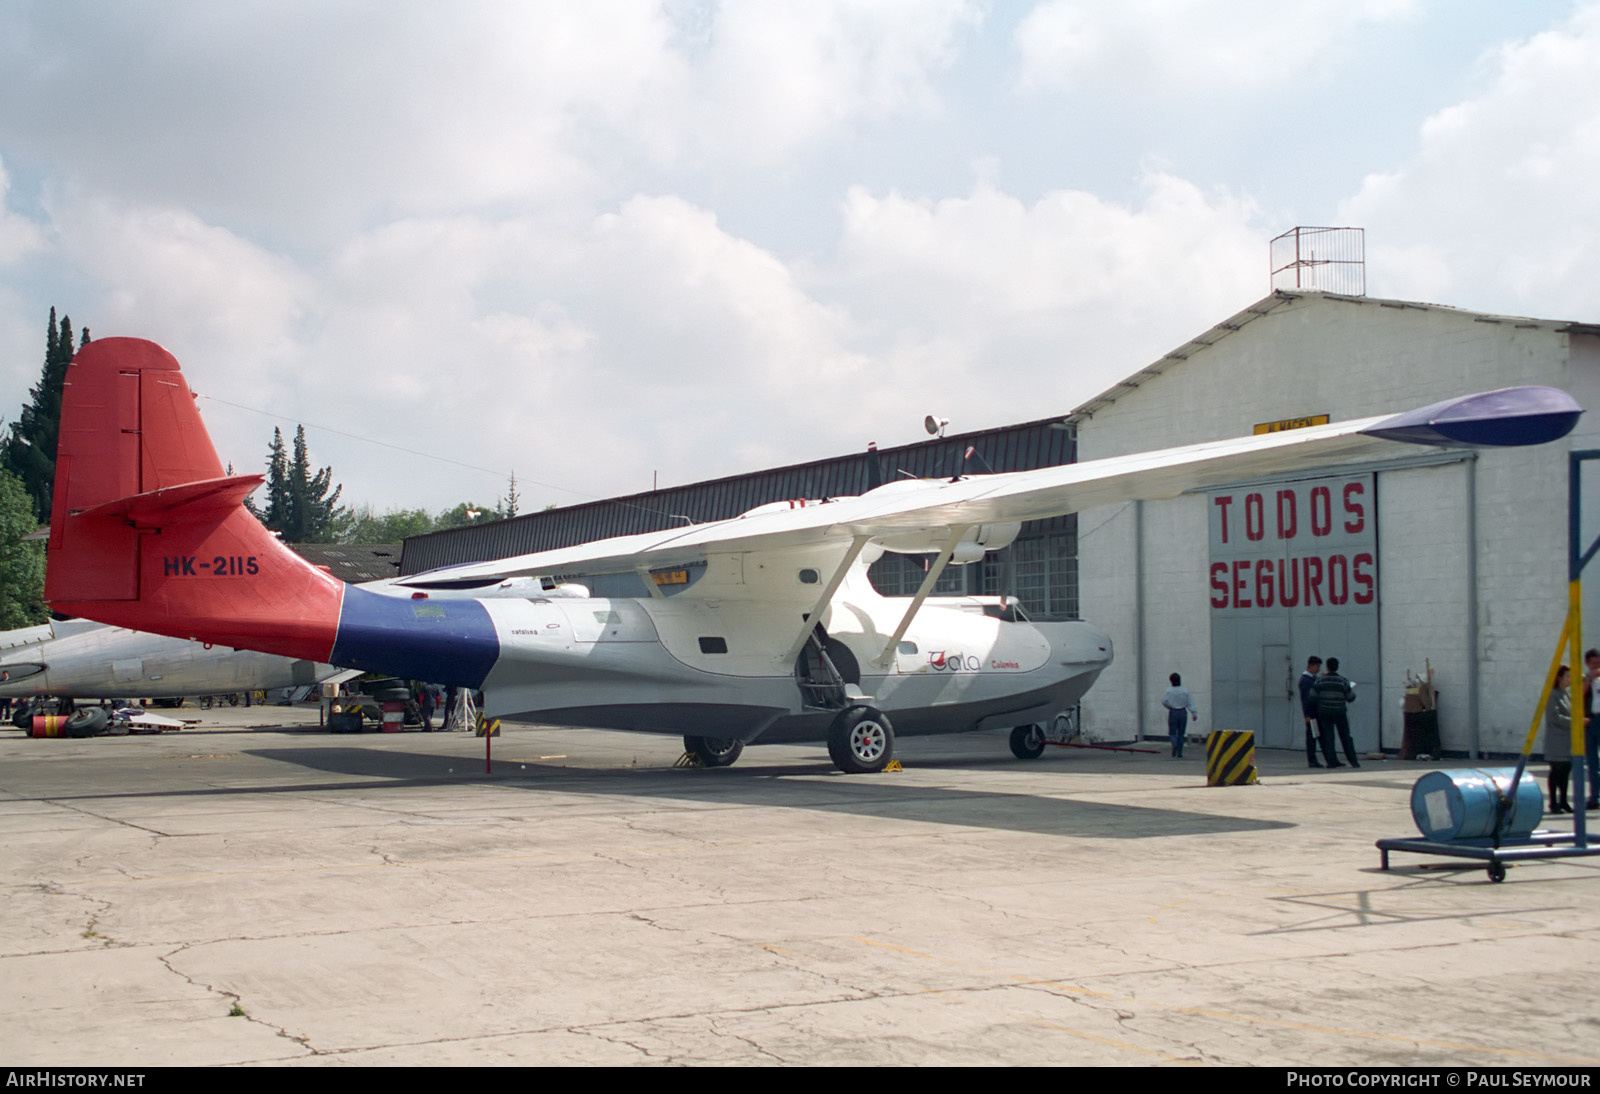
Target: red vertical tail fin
(148, 532)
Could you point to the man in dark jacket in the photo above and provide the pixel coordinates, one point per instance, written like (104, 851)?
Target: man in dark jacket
(1332, 693)
(1308, 707)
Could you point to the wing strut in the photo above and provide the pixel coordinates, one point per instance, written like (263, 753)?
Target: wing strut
(922, 593)
(814, 616)
(650, 582)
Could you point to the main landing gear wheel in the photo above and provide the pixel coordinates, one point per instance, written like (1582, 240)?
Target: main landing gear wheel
(861, 741)
(1497, 871)
(1027, 743)
(713, 751)
(90, 722)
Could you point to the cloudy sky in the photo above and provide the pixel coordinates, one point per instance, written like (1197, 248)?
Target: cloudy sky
(596, 242)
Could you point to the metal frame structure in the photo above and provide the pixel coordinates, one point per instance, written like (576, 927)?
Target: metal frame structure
(1322, 259)
(1542, 844)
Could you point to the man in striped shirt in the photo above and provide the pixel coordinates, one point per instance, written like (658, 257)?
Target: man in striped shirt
(1333, 693)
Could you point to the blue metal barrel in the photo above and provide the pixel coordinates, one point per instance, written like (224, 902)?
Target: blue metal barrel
(1460, 805)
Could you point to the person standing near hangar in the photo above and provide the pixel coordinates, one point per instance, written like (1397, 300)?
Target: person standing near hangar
(1333, 693)
(1591, 726)
(1180, 709)
(1308, 707)
(1558, 740)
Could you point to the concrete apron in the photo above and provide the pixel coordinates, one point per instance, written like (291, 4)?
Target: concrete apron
(233, 895)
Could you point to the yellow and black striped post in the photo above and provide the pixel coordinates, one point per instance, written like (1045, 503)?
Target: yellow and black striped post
(1230, 757)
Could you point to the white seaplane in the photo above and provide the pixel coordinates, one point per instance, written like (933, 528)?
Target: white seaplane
(773, 632)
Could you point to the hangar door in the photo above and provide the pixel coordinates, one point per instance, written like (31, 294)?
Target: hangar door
(1293, 572)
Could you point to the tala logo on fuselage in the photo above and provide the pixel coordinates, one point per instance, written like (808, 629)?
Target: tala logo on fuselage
(939, 661)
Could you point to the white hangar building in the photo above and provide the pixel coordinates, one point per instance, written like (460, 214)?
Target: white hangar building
(1449, 558)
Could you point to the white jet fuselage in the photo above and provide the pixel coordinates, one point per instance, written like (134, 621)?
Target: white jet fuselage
(87, 660)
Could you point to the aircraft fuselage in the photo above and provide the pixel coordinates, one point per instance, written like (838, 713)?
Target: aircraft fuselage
(718, 667)
(87, 660)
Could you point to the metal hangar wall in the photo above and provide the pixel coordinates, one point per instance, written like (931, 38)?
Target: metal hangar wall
(1445, 558)
(1040, 567)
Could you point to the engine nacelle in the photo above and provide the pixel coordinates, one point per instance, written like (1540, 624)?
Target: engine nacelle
(970, 548)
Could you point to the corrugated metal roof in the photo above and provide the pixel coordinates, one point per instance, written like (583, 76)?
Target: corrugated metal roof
(1047, 442)
(353, 562)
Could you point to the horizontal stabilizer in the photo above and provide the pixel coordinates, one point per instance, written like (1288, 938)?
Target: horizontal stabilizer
(192, 501)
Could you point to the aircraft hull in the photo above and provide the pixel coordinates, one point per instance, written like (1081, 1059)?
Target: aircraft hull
(644, 669)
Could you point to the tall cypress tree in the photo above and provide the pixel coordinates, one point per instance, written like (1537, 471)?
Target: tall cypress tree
(30, 449)
(299, 506)
(276, 514)
(314, 515)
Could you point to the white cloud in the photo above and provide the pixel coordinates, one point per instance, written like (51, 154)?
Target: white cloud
(307, 120)
(1016, 311)
(778, 76)
(538, 235)
(19, 236)
(1183, 46)
(165, 272)
(589, 353)
(582, 354)
(1496, 209)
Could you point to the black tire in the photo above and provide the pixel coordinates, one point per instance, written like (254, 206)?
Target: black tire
(1497, 871)
(23, 716)
(714, 751)
(393, 695)
(90, 722)
(861, 741)
(1027, 743)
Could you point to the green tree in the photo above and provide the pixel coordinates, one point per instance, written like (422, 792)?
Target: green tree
(276, 514)
(315, 516)
(507, 506)
(21, 564)
(368, 527)
(468, 512)
(30, 450)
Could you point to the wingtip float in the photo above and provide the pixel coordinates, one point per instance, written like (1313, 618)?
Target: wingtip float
(1510, 417)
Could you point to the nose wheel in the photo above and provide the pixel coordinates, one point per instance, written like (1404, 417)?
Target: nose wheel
(861, 741)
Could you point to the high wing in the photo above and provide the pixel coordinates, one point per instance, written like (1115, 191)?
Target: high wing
(938, 512)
